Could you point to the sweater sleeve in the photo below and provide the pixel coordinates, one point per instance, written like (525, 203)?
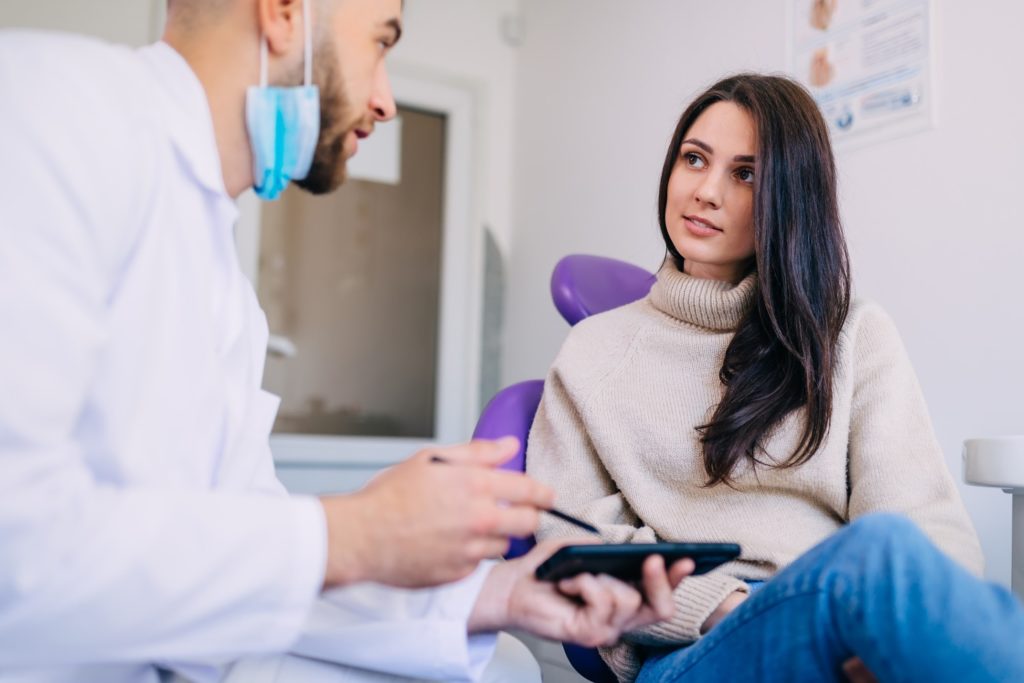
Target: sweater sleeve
(895, 461)
(562, 455)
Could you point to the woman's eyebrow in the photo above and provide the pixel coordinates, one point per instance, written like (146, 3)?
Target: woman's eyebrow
(699, 143)
(739, 158)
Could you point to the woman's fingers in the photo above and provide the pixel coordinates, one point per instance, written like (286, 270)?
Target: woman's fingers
(657, 587)
(591, 622)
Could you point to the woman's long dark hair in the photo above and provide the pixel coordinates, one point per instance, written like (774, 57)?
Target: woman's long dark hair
(783, 355)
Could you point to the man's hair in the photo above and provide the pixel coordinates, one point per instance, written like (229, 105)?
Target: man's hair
(192, 13)
(211, 5)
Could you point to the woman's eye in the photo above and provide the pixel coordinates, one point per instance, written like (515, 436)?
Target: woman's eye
(693, 160)
(746, 175)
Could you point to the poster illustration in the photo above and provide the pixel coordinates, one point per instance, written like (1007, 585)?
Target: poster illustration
(867, 63)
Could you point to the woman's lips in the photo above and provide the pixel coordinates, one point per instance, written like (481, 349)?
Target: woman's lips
(701, 227)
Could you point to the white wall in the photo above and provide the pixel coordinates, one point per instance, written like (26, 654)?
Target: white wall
(935, 221)
(136, 22)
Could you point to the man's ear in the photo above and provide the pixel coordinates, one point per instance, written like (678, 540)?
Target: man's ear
(280, 22)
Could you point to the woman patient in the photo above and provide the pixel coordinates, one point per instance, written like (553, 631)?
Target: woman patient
(748, 399)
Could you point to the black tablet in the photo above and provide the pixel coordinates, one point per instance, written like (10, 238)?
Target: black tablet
(625, 560)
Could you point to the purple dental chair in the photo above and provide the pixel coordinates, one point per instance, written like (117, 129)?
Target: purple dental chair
(581, 286)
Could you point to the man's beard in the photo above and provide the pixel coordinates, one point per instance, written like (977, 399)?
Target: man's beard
(327, 171)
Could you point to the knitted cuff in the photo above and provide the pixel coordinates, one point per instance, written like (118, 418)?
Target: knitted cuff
(696, 598)
(624, 661)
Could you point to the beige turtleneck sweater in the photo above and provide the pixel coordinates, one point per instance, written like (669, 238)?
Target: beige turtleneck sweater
(614, 435)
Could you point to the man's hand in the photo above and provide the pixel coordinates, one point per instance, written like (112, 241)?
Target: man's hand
(421, 523)
(586, 609)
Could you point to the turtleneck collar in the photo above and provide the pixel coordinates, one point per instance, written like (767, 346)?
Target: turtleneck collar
(711, 304)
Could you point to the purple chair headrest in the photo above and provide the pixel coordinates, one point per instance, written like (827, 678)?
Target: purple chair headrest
(583, 285)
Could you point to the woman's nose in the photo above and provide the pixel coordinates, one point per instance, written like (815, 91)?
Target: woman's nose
(710, 191)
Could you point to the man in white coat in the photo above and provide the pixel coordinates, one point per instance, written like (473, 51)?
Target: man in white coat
(142, 528)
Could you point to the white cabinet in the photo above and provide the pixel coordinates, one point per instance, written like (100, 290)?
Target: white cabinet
(999, 462)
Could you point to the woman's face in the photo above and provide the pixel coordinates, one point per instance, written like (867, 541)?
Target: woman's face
(709, 212)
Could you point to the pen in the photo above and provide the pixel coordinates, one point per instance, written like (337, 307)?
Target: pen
(551, 511)
(573, 520)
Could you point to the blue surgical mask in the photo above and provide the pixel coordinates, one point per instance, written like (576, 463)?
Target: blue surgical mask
(283, 124)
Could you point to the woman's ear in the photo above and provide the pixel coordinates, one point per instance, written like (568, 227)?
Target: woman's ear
(280, 22)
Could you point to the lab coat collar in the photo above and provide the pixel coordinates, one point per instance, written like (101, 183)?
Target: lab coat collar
(187, 113)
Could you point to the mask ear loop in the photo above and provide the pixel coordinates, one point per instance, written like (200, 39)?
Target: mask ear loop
(307, 53)
(309, 42)
(263, 62)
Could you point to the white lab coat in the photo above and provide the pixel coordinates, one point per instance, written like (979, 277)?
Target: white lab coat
(140, 517)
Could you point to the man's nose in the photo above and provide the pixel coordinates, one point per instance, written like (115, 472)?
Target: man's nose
(382, 100)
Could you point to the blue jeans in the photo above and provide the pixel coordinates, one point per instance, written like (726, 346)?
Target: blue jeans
(877, 589)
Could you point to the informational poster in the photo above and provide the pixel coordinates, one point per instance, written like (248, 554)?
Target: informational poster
(868, 64)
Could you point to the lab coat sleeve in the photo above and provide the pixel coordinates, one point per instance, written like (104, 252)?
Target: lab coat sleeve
(413, 633)
(91, 572)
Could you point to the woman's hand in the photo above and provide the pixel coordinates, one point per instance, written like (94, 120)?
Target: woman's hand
(855, 669)
(857, 672)
(722, 611)
(586, 609)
